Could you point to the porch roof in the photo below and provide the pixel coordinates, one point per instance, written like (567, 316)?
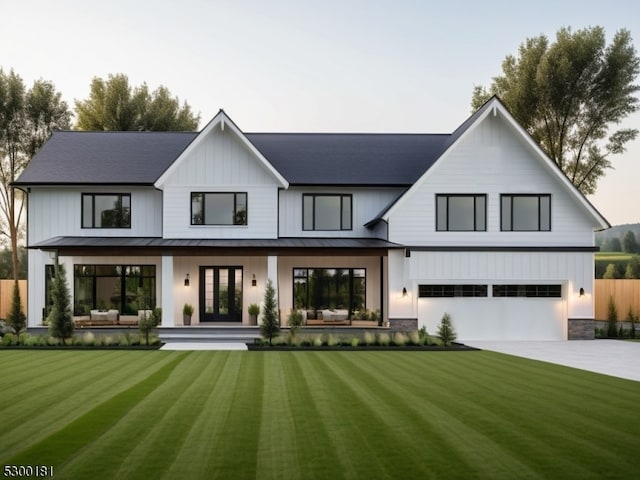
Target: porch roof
(204, 246)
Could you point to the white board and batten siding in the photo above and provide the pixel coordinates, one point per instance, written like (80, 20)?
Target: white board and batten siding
(58, 212)
(366, 204)
(220, 163)
(490, 160)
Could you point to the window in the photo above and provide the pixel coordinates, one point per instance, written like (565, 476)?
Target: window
(49, 278)
(106, 210)
(435, 291)
(219, 208)
(461, 213)
(330, 288)
(539, 291)
(113, 286)
(326, 212)
(525, 213)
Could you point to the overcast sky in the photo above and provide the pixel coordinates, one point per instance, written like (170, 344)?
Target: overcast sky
(325, 66)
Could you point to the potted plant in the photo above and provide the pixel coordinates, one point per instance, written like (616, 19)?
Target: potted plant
(187, 311)
(254, 310)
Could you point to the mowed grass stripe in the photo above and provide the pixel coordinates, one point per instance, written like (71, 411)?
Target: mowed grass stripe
(331, 414)
(145, 442)
(438, 429)
(57, 448)
(531, 417)
(82, 381)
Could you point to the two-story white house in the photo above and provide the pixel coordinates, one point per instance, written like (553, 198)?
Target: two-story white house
(479, 223)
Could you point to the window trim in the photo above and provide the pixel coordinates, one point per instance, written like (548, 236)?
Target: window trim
(235, 209)
(527, 290)
(475, 197)
(511, 196)
(93, 208)
(313, 197)
(446, 290)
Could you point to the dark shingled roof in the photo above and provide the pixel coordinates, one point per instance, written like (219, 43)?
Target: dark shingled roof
(133, 158)
(350, 158)
(140, 158)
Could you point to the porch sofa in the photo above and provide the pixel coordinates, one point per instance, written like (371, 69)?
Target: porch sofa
(104, 317)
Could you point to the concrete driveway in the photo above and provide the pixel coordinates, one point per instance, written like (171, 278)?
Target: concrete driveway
(609, 357)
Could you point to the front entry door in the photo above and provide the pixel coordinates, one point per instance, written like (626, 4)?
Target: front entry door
(221, 294)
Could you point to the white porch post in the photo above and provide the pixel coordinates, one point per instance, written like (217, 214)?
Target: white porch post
(168, 309)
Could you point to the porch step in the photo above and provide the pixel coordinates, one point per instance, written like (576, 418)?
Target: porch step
(238, 335)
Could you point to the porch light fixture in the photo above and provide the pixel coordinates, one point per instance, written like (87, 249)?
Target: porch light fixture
(404, 291)
(581, 292)
(186, 280)
(254, 282)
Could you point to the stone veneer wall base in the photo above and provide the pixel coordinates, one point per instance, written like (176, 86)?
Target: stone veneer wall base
(581, 329)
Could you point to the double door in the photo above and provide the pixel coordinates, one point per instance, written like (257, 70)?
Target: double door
(221, 294)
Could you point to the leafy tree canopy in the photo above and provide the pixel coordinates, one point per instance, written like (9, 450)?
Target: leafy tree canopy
(27, 119)
(567, 95)
(114, 105)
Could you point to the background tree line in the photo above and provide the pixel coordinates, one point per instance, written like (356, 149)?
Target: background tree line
(29, 115)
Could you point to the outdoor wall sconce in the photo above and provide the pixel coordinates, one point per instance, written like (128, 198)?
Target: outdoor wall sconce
(581, 292)
(254, 282)
(186, 280)
(404, 292)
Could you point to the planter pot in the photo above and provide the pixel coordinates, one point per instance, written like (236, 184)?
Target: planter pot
(253, 319)
(186, 319)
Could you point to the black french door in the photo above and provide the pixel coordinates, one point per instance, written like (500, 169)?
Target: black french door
(221, 294)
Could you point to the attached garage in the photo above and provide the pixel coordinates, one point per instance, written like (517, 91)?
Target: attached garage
(514, 311)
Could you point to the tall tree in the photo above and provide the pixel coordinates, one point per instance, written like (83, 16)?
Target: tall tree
(114, 105)
(629, 243)
(567, 95)
(27, 118)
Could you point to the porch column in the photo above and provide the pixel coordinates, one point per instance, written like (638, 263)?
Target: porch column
(168, 309)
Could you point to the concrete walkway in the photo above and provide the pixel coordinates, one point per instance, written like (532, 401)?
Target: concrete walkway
(609, 357)
(204, 346)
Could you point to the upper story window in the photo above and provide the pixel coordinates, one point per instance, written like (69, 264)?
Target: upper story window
(461, 213)
(525, 213)
(106, 210)
(326, 212)
(219, 208)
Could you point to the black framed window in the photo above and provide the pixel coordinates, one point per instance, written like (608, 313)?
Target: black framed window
(49, 278)
(525, 213)
(106, 210)
(528, 290)
(330, 288)
(461, 213)
(218, 208)
(113, 287)
(326, 212)
(440, 290)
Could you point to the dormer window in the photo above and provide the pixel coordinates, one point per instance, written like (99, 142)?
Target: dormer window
(219, 208)
(326, 212)
(106, 210)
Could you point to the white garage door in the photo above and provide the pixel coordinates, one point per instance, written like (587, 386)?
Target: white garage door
(501, 312)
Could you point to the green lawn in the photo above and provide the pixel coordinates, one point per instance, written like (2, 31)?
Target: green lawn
(290, 415)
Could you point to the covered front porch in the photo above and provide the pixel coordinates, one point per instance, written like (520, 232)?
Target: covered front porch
(333, 282)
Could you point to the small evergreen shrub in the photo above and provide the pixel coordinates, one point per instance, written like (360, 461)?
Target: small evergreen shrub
(355, 341)
(9, 339)
(446, 331)
(612, 318)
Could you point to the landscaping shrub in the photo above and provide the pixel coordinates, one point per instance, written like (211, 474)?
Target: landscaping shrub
(16, 317)
(332, 340)
(317, 341)
(355, 341)
(9, 339)
(446, 331)
(270, 325)
(88, 339)
(369, 338)
(60, 319)
(415, 339)
(400, 339)
(384, 339)
(612, 318)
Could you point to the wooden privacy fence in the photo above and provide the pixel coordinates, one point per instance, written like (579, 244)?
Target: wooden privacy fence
(625, 293)
(6, 293)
